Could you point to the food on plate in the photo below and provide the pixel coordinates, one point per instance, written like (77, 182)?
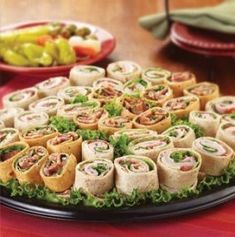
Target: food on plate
(181, 135)
(208, 121)
(216, 155)
(8, 135)
(7, 115)
(49, 105)
(106, 81)
(136, 85)
(69, 143)
(179, 81)
(228, 118)
(182, 106)
(206, 91)
(178, 169)
(27, 165)
(29, 119)
(85, 75)
(8, 154)
(123, 70)
(97, 149)
(135, 172)
(58, 171)
(94, 176)
(20, 98)
(156, 119)
(156, 75)
(226, 133)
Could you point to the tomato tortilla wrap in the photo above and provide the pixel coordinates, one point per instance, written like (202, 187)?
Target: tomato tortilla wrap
(8, 135)
(216, 155)
(135, 173)
(7, 115)
(94, 176)
(226, 133)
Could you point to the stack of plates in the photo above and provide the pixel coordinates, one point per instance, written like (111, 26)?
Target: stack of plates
(202, 41)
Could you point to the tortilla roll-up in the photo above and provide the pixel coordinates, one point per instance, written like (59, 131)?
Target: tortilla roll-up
(8, 135)
(89, 119)
(158, 94)
(85, 75)
(135, 172)
(216, 155)
(226, 133)
(181, 135)
(27, 165)
(106, 81)
(156, 75)
(49, 105)
(7, 115)
(97, 149)
(69, 111)
(38, 135)
(20, 98)
(228, 118)
(2, 125)
(134, 133)
(123, 70)
(206, 91)
(150, 146)
(178, 169)
(68, 143)
(52, 86)
(94, 176)
(28, 119)
(156, 119)
(113, 124)
(222, 105)
(208, 121)
(58, 171)
(136, 85)
(182, 106)
(179, 81)
(68, 94)
(8, 154)
(133, 105)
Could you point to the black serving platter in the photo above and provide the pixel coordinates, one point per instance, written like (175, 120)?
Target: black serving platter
(145, 212)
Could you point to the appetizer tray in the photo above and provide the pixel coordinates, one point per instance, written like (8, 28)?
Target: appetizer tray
(137, 144)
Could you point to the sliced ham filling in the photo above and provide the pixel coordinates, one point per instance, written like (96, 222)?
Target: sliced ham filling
(96, 168)
(39, 132)
(135, 105)
(178, 133)
(151, 117)
(156, 94)
(88, 117)
(30, 117)
(181, 76)
(70, 136)
(134, 165)
(202, 90)
(177, 104)
(98, 145)
(229, 129)
(225, 107)
(149, 145)
(6, 156)
(117, 122)
(109, 91)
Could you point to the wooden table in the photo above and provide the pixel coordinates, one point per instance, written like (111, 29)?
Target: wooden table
(120, 17)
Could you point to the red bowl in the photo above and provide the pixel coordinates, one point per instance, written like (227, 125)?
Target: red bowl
(108, 43)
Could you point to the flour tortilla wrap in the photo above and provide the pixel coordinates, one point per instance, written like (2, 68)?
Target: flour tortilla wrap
(182, 106)
(106, 81)
(8, 135)
(58, 171)
(136, 85)
(97, 149)
(27, 165)
(38, 135)
(95, 176)
(7, 115)
(8, 154)
(181, 135)
(114, 124)
(2, 125)
(135, 172)
(68, 94)
(156, 119)
(179, 81)
(158, 94)
(178, 169)
(52, 86)
(20, 98)
(222, 105)
(28, 119)
(216, 155)
(68, 143)
(89, 119)
(228, 118)
(49, 105)
(85, 75)
(123, 70)
(206, 91)
(156, 75)
(150, 146)
(208, 121)
(226, 133)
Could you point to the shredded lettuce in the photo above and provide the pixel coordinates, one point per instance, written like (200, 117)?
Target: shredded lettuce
(80, 99)
(120, 145)
(113, 108)
(92, 134)
(62, 124)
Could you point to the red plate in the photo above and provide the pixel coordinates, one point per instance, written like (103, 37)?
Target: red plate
(107, 45)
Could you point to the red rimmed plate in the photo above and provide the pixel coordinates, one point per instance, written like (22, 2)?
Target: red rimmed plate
(108, 43)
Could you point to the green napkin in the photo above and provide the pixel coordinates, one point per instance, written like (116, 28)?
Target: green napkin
(220, 18)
